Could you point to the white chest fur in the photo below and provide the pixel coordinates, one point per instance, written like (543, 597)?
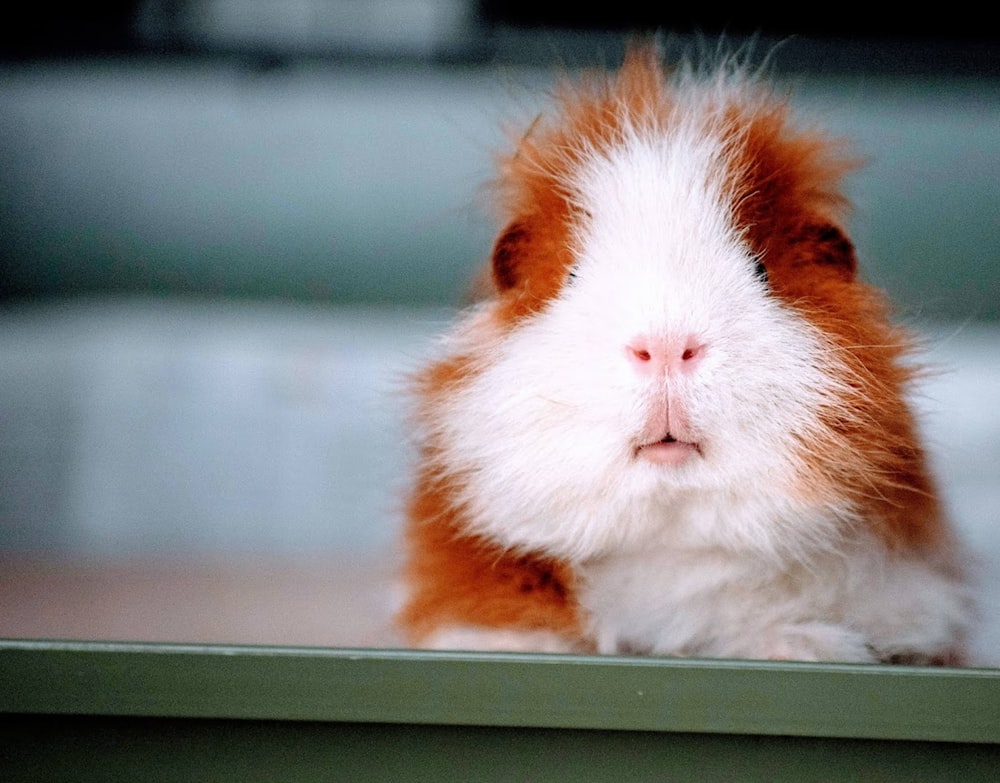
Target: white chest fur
(860, 605)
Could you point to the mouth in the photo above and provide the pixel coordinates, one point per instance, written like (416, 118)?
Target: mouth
(668, 450)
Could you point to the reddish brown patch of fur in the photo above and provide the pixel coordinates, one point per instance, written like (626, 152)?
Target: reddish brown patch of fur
(456, 578)
(788, 198)
(533, 255)
(461, 579)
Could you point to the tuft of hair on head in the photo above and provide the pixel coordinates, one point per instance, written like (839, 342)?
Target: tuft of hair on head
(777, 177)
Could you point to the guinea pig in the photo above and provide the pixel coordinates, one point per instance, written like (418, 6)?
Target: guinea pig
(678, 423)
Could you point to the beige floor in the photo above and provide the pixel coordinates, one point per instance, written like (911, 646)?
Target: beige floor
(252, 601)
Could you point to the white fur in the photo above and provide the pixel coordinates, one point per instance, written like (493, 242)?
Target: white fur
(725, 555)
(469, 637)
(860, 604)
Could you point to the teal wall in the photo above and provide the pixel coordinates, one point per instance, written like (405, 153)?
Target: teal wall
(342, 183)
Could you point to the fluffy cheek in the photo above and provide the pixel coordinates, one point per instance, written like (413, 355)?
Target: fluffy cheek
(537, 445)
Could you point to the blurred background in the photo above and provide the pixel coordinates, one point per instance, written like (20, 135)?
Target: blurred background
(228, 228)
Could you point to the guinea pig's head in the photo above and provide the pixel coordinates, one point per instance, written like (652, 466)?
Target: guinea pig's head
(667, 348)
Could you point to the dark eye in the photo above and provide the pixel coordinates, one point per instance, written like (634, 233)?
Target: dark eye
(760, 270)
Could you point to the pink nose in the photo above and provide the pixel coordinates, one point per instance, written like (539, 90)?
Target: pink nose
(658, 355)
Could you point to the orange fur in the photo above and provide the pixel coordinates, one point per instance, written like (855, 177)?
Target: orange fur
(534, 253)
(456, 578)
(462, 579)
(789, 199)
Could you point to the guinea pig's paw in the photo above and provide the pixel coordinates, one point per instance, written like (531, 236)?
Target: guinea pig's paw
(482, 638)
(817, 642)
(953, 657)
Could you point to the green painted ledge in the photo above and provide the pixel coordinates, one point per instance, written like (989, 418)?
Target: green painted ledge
(80, 711)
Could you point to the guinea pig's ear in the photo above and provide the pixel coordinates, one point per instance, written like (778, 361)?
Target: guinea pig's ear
(826, 245)
(508, 254)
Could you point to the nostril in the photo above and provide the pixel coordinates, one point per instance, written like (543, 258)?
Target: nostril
(641, 355)
(640, 352)
(692, 354)
(691, 351)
